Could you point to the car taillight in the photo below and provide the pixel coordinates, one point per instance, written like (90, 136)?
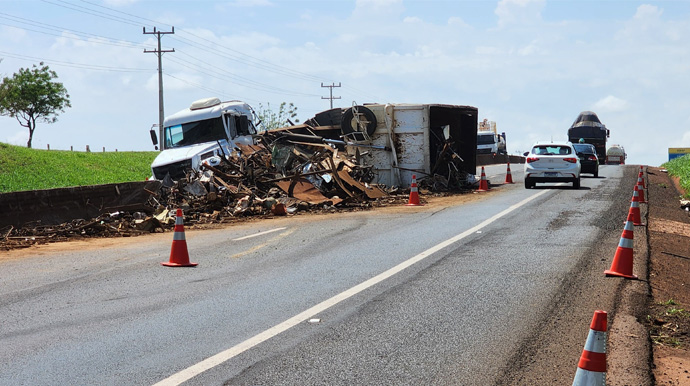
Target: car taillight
(531, 159)
(592, 158)
(571, 160)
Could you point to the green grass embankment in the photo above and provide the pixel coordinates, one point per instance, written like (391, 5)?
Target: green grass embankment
(31, 169)
(680, 167)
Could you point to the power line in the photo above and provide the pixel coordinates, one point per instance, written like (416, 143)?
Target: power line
(92, 12)
(118, 44)
(75, 65)
(222, 74)
(212, 47)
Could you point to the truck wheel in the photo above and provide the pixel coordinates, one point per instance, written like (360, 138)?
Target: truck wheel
(349, 124)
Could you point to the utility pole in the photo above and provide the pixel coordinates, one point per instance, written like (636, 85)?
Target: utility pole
(159, 52)
(331, 87)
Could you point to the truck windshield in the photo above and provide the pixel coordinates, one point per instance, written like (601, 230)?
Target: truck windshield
(194, 132)
(485, 139)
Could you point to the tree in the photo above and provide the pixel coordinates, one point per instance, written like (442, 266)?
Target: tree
(32, 95)
(285, 116)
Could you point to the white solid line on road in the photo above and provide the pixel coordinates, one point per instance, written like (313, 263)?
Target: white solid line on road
(259, 234)
(211, 362)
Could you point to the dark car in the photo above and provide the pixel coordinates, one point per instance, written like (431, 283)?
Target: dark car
(588, 158)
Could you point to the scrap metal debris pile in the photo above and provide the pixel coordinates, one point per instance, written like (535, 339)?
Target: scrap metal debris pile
(283, 174)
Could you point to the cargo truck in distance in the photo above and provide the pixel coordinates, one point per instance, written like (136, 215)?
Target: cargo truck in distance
(615, 155)
(589, 128)
(206, 131)
(488, 139)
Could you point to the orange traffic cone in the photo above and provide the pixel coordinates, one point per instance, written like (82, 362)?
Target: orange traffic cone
(622, 264)
(640, 180)
(635, 210)
(483, 184)
(179, 257)
(640, 193)
(414, 193)
(591, 370)
(509, 176)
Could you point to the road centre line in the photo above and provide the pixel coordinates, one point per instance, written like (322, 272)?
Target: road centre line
(215, 360)
(259, 234)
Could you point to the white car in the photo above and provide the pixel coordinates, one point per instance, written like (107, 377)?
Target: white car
(552, 162)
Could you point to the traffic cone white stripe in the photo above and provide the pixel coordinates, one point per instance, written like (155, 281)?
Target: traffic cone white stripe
(591, 369)
(178, 236)
(588, 378)
(629, 226)
(597, 343)
(626, 243)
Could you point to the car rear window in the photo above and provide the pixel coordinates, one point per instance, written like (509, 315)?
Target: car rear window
(588, 149)
(551, 150)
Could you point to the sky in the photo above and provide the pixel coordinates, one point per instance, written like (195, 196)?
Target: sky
(529, 65)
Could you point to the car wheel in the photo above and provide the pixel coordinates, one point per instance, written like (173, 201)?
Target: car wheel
(576, 183)
(528, 183)
(596, 173)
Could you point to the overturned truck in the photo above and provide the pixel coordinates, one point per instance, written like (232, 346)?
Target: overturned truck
(432, 141)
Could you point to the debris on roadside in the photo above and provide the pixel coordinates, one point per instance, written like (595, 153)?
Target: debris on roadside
(313, 167)
(685, 205)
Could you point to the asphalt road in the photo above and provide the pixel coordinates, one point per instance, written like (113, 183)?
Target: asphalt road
(440, 294)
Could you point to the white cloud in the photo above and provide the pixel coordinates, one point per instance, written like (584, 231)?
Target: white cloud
(611, 104)
(684, 142)
(18, 138)
(377, 10)
(647, 12)
(519, 12)
(530, 49)
(251, 3)
(457, 21)
(13, 34)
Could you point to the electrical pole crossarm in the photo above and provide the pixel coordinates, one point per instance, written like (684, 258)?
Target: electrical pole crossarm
(331, 92)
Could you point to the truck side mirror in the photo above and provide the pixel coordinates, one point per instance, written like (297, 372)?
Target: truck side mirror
(154, 138)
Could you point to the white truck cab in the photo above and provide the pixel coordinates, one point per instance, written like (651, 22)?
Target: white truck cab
(488, 139)
(206, 131)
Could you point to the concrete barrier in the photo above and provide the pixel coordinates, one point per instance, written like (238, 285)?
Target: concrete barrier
(57, 206)
(491, 159)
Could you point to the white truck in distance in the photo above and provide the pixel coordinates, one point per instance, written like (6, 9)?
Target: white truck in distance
(206, 131)
(615, 155)
(488, 139)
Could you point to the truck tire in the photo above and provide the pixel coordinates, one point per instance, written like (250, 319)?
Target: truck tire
(348, 125)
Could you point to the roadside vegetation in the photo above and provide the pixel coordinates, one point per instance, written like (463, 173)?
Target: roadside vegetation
(22, 168)
(680, 168)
